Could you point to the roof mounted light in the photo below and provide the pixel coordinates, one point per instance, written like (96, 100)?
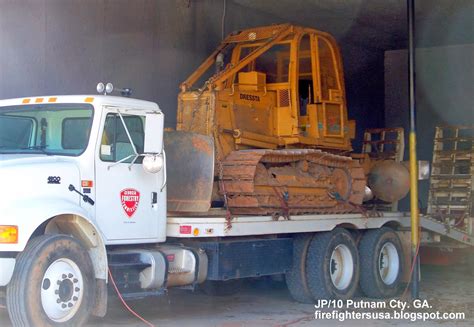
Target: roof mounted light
(109, 88)
(105, 88)
(100, 87)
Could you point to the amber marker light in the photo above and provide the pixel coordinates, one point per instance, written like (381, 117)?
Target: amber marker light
(196, 231)
(8, 234)
(86, 183)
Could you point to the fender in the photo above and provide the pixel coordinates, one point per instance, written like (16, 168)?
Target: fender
(60, 216)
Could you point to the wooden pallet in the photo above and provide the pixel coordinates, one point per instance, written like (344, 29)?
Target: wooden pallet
(451, 194)
(384, 144)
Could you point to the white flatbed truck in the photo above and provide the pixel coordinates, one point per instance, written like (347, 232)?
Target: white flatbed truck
(84, 199)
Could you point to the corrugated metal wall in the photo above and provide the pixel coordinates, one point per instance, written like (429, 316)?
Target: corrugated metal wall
(66, 47)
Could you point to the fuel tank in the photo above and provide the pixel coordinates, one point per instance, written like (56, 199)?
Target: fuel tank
(389, 180)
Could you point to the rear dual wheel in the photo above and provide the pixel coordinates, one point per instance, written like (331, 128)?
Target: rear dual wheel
(332, 265)
(296, 280)
(381, 258)
(325, 266)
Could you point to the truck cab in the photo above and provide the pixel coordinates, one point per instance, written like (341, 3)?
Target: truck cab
(84, 196)
(93, 144)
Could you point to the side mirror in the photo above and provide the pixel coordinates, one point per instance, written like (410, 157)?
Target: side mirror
(154, 133)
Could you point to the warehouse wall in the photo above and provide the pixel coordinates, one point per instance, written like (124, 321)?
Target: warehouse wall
(444, 94)
(364, 76)
(64, 47)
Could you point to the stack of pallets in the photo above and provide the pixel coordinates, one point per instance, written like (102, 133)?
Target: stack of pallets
(451, 193)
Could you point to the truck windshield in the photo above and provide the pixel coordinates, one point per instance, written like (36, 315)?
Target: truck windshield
(53, 129)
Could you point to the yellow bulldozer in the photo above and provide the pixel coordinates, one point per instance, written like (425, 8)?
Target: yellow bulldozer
(272, 100)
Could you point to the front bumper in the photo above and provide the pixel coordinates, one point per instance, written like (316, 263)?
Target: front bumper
(6, 270)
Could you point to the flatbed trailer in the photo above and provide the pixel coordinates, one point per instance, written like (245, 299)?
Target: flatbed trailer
(215, 224)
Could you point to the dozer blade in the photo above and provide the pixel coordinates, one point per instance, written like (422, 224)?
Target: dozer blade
(190, 171)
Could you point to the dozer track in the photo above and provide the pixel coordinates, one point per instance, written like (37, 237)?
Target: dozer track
(291, 181)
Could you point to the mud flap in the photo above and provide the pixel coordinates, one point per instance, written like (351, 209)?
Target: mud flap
(190, 170)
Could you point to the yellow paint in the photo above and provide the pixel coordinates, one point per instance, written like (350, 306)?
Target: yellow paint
(263, 107)
(25, 101)
(39, 100)
(54, 99)
(252, 81)
(89, 99)
(415, 220)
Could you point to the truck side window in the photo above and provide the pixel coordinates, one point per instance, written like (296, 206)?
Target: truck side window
(115, 144)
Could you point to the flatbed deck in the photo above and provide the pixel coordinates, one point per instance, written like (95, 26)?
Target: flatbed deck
(215, 224)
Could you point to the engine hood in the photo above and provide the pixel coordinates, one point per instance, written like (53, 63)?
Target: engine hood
(33, 177)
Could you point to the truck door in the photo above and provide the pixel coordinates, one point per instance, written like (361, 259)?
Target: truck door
(128, 199)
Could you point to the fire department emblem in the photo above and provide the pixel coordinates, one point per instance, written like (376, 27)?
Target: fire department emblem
(130, 199)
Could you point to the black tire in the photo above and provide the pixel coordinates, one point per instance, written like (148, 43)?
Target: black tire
(24, 292)
(370, 247)
(320, 265)
(222, 288)
(296, 277)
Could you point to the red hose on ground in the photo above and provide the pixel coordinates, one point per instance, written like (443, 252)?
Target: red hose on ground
(146, 322)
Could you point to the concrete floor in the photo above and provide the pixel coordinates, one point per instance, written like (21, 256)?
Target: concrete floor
(259, 304)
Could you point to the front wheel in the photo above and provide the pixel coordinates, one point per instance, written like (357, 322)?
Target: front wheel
(52, 284)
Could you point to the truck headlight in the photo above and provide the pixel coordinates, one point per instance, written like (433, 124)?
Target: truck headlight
(8, 234)
(152, 163)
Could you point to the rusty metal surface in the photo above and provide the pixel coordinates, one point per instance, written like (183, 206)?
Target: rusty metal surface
(285, 182)
(190, 169)
(389, 181)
